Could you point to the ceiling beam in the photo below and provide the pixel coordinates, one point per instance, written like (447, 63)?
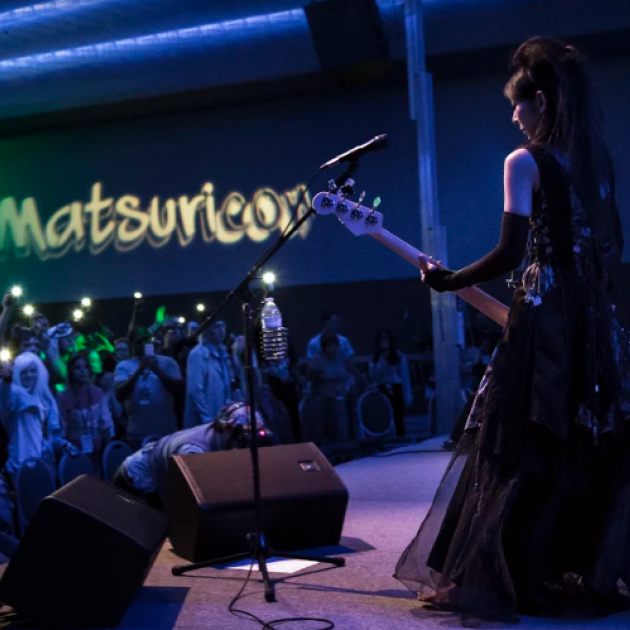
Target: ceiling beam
(450, 66)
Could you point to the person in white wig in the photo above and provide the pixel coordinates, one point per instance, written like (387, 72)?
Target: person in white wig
(29, 413)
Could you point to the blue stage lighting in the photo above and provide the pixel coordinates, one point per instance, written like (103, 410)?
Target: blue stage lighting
(218, 34)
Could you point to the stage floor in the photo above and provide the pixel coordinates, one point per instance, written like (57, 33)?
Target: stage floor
(388, 498)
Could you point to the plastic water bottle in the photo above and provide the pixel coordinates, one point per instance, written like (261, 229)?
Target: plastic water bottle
(271, 316)
(274, 340)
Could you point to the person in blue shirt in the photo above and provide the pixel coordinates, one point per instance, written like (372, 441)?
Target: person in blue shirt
(331, 323)
(209, 377)
(147, 384)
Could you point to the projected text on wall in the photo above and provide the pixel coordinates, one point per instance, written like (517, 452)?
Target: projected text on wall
(124, 223)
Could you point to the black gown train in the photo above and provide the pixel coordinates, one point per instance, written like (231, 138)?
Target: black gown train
(533, 512)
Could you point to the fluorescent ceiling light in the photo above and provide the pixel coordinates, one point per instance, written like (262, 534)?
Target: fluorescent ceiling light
(219, 34)
(45, 10)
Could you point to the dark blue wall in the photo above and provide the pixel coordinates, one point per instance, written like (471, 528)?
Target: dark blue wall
(240, 149)
(278, 145)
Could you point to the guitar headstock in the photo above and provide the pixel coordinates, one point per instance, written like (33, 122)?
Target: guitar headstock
(358, 219)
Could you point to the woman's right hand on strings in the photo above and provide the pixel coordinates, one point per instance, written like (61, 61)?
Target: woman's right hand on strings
(427, 264)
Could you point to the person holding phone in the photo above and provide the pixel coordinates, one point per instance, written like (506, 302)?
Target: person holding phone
(146, 385)
(30, 414)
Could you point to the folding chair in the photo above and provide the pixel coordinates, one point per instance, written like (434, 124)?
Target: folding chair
(114, 455)
(73, 466)
(376, 416)
(33, 482)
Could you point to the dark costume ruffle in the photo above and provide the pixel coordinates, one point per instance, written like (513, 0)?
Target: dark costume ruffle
(533, 512)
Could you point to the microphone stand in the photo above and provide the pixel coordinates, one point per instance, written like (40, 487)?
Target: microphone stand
(259, 549)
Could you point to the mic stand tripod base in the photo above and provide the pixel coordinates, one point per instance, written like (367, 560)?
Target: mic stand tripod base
(259, 552)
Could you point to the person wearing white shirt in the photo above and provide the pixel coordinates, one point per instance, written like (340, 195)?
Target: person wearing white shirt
(30, 415)
(389, 371)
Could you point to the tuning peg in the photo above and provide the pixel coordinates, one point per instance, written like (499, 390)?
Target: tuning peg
(327, 201)
(356, 212)
(371, 218)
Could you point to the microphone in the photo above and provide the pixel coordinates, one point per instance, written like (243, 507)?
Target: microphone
(380, 142)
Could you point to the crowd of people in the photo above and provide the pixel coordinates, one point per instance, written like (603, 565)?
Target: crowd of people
(73, 387)
(531, 515)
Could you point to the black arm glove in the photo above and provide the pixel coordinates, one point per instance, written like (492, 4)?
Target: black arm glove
(506, 256)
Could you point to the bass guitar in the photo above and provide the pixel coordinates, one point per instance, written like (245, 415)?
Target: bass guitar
(361, 220)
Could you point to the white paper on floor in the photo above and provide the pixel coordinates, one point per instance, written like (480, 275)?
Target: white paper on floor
(274, 565)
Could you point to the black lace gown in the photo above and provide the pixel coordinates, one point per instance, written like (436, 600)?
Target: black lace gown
(533, 512)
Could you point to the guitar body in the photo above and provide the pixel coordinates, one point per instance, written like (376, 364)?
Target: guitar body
(361, 220)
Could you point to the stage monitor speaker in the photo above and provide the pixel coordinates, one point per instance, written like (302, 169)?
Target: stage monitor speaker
(347, 33)
(84, 556)
(211, 504)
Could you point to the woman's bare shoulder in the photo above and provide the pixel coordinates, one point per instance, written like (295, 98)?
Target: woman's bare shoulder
(522, 160)
(521, 170)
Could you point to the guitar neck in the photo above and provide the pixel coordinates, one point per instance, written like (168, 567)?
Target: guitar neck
(489, 306)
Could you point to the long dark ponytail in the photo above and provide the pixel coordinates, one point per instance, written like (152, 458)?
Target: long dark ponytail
(573, 119)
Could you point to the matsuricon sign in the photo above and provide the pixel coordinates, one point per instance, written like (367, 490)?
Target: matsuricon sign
(126, 224)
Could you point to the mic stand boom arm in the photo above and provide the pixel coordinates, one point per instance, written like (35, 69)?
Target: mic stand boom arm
(259, 549)
(242, 289)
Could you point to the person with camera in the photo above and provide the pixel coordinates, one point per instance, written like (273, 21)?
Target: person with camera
(146, 384)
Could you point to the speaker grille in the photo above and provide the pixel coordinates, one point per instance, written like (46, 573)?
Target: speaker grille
(286, 472)
(211, 501)
(83, 557)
